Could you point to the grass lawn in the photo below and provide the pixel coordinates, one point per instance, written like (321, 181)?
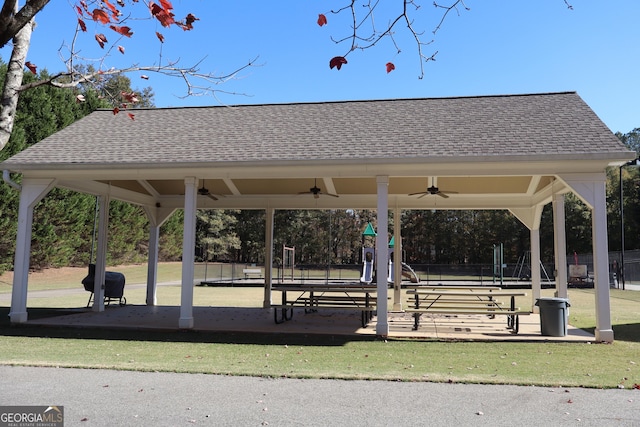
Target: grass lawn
(544, 364)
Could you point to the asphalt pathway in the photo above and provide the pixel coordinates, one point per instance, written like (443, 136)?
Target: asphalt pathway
(93, 397)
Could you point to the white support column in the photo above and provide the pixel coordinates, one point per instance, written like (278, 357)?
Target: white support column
(591, 189)
(101, 253)
(560, 245)
(268, 258)
(152, 264)
(397, 260)
(157, 217)
(33, 190)
(604, 330)
(535, 269)
(531, 218)
(382, 243)
(188, 252)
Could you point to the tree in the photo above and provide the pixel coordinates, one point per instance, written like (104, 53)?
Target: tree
(629, 177)
(631, 139)
(63, 221)
(214, 233)
(17, 24)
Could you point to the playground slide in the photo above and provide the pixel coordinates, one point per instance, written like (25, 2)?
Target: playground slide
(367, 266)
(406, 272)
(409, 273)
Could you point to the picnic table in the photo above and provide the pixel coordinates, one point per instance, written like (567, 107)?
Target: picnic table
(465, 300)
(313, 297)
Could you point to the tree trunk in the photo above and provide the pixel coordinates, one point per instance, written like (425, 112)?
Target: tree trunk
(12, 83)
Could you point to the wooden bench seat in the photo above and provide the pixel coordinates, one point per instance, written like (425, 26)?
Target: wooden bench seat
(479, 310)
(429, 301)
(248, 272)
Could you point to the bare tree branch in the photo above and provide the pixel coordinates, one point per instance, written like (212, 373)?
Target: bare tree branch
(361, 41)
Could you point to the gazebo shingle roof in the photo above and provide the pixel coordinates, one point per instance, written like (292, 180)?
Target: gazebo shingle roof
(550, 124)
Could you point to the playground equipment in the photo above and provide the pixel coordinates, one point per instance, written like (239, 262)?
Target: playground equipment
(407, 271)
(368, 255)
(523, 268)
(288, 262)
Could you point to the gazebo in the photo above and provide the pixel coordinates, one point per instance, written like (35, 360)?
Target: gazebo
(513, 152)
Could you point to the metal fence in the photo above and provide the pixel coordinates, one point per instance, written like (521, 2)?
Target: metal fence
(244, 273)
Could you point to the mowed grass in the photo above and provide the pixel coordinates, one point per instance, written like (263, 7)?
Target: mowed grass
(300, 356)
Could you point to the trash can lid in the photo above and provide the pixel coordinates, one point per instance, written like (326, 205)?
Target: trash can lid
(552, 301)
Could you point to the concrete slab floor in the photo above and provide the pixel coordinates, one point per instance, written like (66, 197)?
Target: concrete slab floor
(326, 322)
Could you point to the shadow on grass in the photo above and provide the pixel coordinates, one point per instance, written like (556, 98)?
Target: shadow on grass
(626, 332)
(70, 332)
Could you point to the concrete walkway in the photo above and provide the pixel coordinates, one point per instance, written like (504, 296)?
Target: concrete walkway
(120, 398)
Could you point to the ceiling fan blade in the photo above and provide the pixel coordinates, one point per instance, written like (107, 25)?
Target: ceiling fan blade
(441, 194)
(211, 196)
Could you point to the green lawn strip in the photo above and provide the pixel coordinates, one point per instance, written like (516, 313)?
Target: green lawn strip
(542, 364)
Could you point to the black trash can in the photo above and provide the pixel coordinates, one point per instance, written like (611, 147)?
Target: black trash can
(554, 315)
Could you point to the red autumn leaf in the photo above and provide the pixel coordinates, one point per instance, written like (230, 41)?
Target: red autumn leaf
(390, 67)
(322, 20)
(132, 117)
(166, 5)
(155, 9)
(121, 49)
(129, 97)
(115, 110)
(337, 62)
(189, 20)
(165, 17)
(101, 16)
(101, 39)
(82, 25)
(84, 11)
(125, 31)
(31, 67)
(160, 37)
(112, 8)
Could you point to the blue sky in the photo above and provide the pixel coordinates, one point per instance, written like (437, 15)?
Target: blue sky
(497, 47)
